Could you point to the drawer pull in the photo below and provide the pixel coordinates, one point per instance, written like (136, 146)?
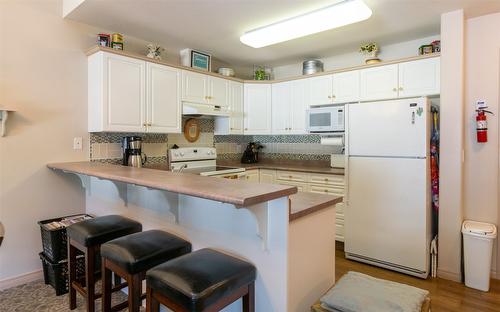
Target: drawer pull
(326, 191)
(290, 177)
(326, 179)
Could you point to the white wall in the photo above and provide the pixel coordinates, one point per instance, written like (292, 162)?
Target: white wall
(387, 53)
(482, 65)
(451, 136)
(43, 72)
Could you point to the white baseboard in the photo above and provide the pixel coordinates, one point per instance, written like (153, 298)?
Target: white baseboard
(452, 276)
(21, 279)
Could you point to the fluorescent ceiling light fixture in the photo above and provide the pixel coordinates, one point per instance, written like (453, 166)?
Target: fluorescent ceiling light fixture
(337, 15)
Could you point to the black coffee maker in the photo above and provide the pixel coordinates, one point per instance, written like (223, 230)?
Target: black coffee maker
(251, 153)
(132, 151)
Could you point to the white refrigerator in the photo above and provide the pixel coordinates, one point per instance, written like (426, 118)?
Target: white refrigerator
(388, 189)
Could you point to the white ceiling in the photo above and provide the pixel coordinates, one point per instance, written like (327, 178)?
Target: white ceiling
(215, 26)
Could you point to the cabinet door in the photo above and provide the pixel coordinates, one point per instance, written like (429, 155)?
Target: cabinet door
(320, 90)
(163, 99)
(298, 106)
(194, 87)
(418, 78)
(267, 176)
(378, 83)
(281, 103)
(346, 87)
(257, 107)
(236, 107)
(124, 94)
(219, 91)
(252, 175)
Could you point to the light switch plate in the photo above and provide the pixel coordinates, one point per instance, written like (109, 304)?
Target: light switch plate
(77, 143)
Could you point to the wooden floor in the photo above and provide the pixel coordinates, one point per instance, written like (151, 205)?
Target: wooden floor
(445, 295)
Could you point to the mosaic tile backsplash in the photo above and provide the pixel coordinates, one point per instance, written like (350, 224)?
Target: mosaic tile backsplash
(106, 146)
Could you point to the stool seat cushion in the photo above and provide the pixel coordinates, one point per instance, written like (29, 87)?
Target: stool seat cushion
(141, 251)
(102, 229)
(197, 280)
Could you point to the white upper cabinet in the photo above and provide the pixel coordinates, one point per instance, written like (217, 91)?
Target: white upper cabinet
(346, 87)
(234, 123)
(194, 87)
(281, 104)
(116, 93)
(218, 91)
(320, 90)
(163, 99)
(257, 107)
(421, 77)
(204, 89)
(130, 95)
(379, 83)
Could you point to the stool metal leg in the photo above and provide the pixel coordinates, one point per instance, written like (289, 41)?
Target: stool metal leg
(72, 274)
(249, 299)
(90, 277)
(106, 287)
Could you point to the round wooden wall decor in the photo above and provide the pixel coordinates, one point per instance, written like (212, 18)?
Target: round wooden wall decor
(192, 130)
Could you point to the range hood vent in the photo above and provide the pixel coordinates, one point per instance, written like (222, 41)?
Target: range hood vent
(197, 110)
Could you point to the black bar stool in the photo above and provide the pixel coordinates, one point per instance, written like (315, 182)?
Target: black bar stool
(130, 257)
(204, 280)
(87, 236)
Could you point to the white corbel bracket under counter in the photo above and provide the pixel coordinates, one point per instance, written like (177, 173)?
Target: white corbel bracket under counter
(288, 236)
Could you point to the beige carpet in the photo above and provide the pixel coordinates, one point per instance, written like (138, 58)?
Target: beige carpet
(37, 296)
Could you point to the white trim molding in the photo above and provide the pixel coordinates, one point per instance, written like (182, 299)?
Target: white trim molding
(21, 279)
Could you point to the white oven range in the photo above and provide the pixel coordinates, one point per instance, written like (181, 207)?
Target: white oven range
(202, 161)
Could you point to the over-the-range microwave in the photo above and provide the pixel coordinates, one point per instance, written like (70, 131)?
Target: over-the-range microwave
(325, 119)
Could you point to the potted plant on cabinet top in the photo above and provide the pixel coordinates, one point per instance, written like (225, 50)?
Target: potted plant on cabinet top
(371, 50)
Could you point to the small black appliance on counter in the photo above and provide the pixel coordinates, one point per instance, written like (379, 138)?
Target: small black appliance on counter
(251, 153)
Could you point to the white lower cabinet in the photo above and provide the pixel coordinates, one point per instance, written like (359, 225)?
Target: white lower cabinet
(307, 182)
(267, 176)
(252, 175)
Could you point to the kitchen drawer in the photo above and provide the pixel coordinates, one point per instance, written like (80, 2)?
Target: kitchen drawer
(337, 191)
(339, 219)
(340, 208)
(291, 176)
(339, 232)
(327, 179)
(302, 187)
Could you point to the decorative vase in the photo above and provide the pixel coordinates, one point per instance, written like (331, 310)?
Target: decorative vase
(372, 58)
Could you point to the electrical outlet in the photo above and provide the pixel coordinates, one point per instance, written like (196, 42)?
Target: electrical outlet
(77, 143)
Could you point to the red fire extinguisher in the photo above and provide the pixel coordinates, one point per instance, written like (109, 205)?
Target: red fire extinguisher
(482, 125)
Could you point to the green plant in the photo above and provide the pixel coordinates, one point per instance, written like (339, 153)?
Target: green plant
(369, 48)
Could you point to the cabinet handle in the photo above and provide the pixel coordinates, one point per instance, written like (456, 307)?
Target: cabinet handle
(326, 191)
(290, 177)
(150, 124)
(326, 180)
(400, 88)
(395, 89)
(144, 124)
(329, 96)
(333, 96)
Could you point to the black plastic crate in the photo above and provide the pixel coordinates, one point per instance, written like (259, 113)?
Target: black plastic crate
(56, 273)
(54, 241)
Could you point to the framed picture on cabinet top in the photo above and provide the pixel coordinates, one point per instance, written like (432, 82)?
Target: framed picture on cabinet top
(196, 59)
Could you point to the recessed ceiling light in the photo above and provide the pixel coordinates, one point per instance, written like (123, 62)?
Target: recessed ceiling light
(337, 15)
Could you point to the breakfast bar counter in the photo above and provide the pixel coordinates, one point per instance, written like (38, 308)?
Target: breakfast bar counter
(288, 236)
(232, 192)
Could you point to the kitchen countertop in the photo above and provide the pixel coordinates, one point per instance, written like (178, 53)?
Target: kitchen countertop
(303, 203)
(289, 165)
(236, 192)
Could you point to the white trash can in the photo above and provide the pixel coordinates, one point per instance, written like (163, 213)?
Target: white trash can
(478, 246)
